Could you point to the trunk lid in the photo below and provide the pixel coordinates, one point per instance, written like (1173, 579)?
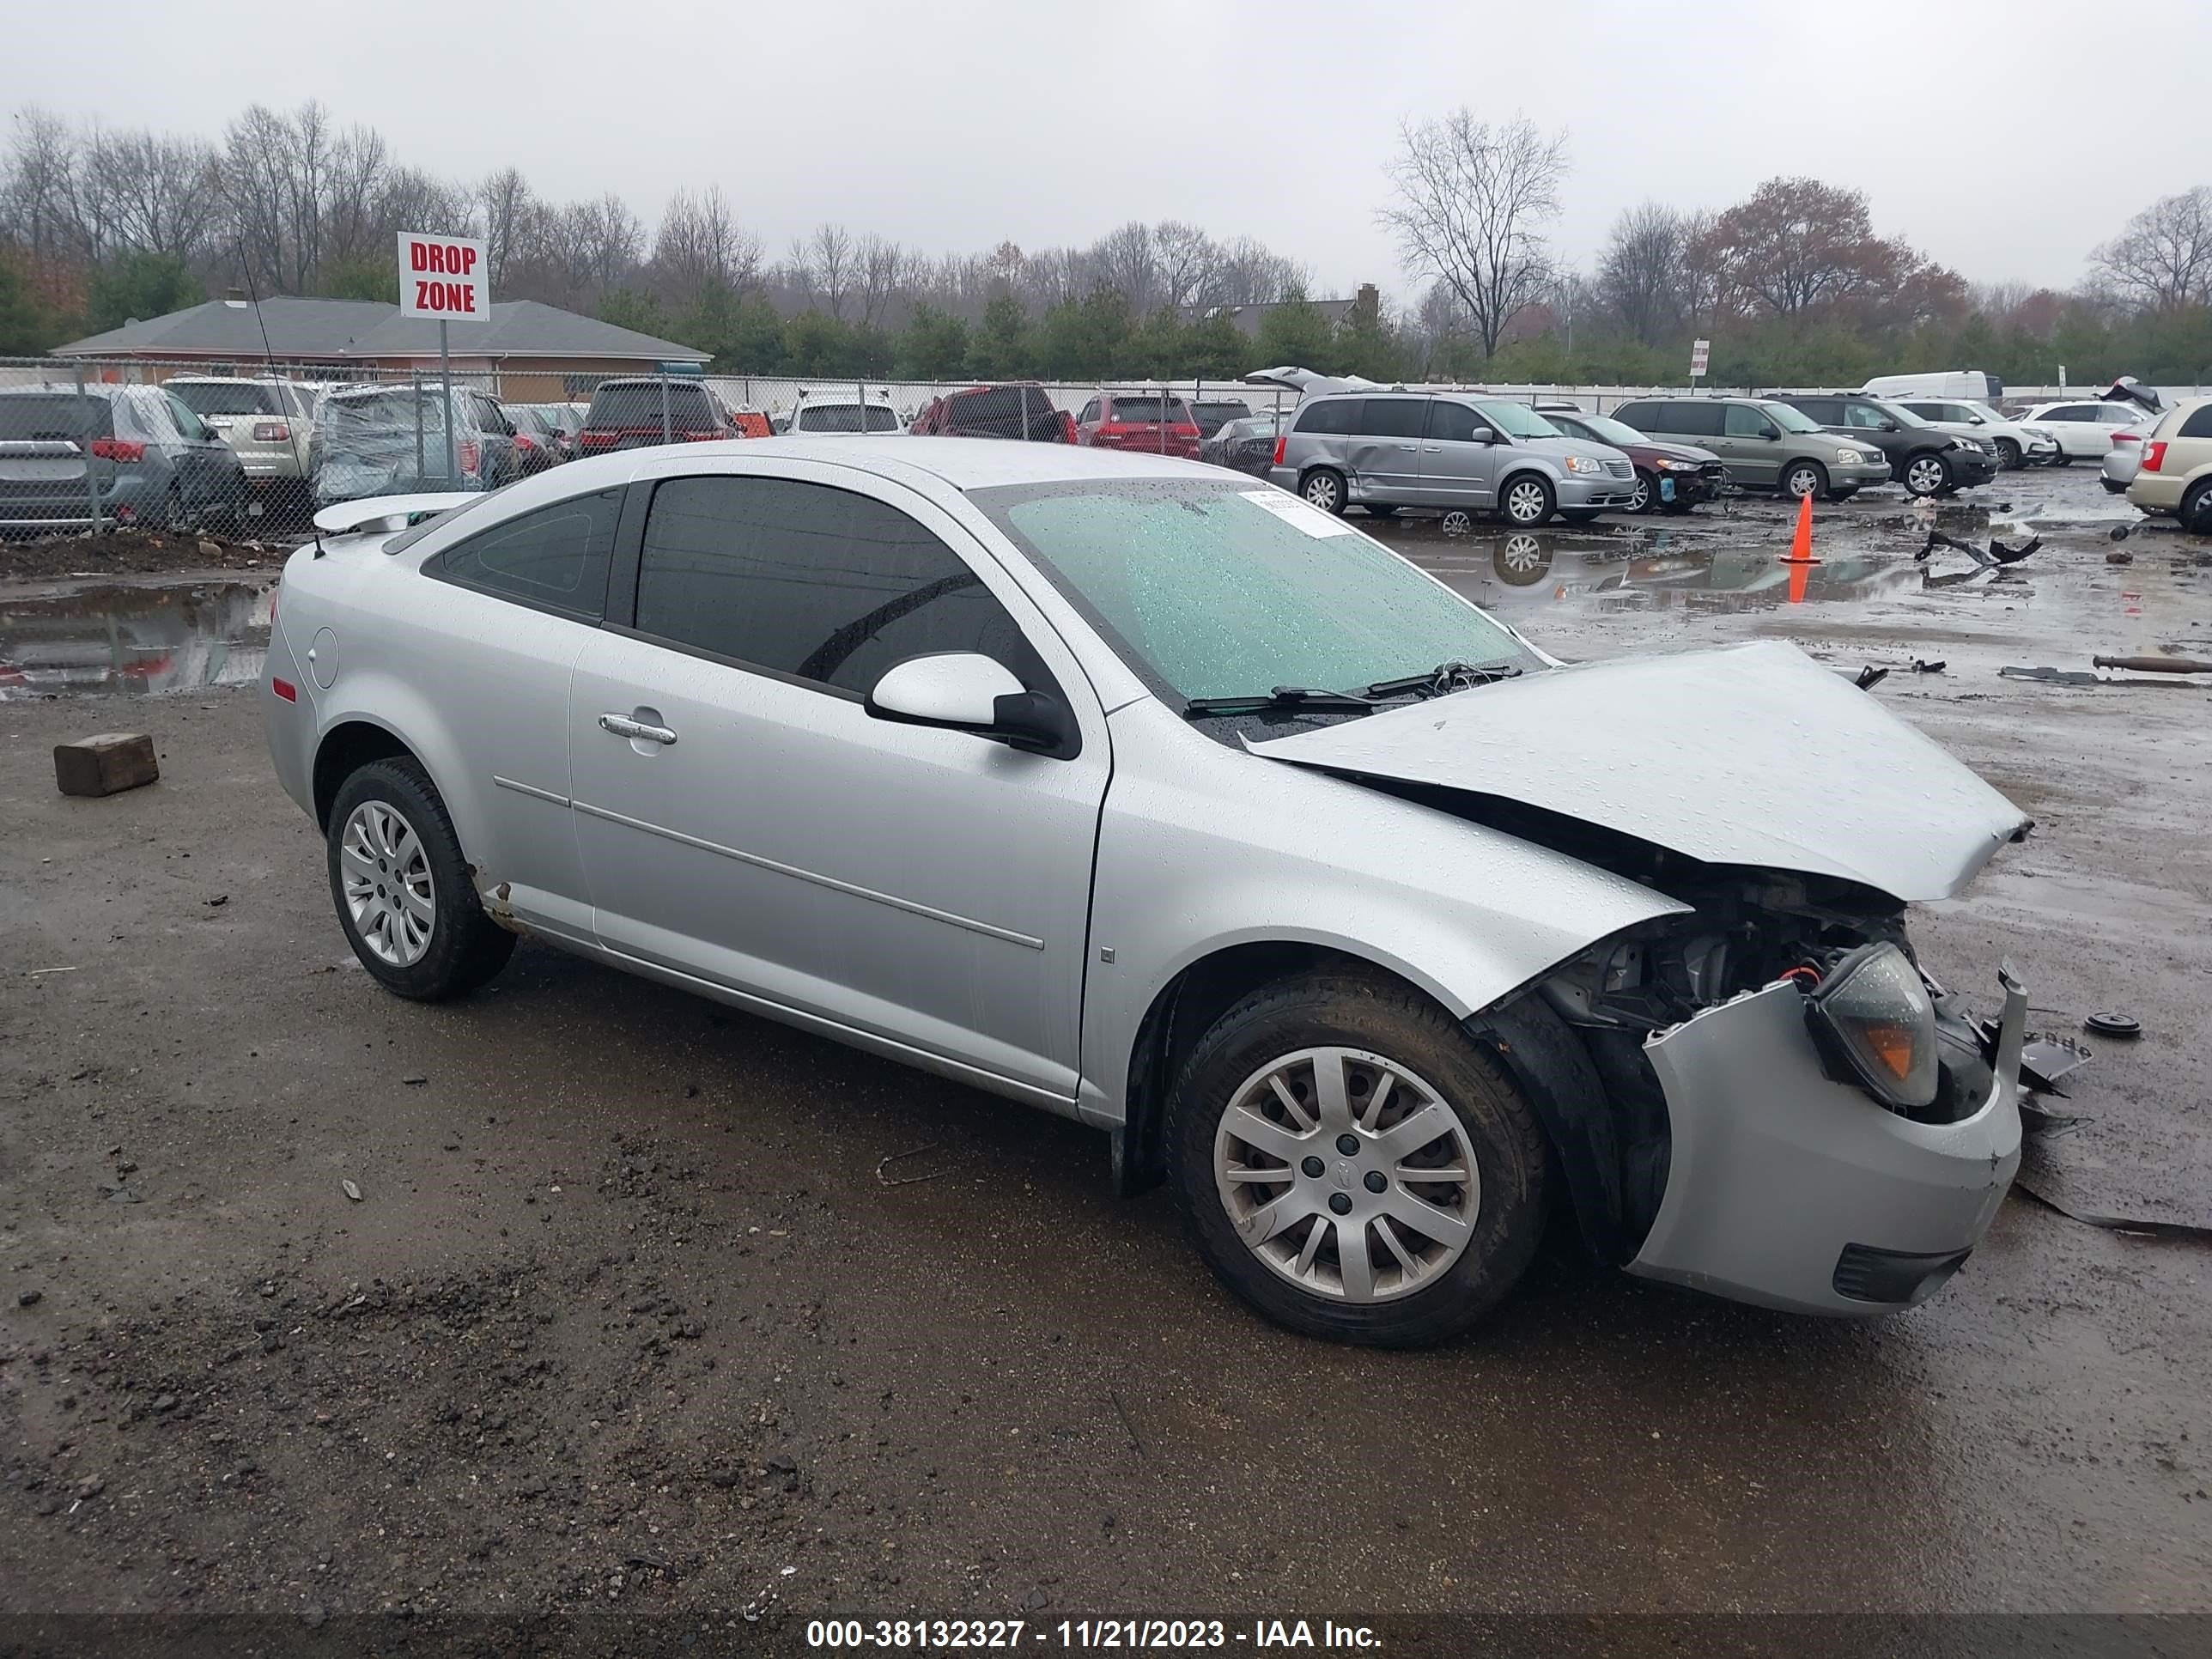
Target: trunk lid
(1742, 755)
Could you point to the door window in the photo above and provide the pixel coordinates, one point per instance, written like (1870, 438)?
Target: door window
(1828, 411)
(1455, 423)
(1745, 422)
(1694, 420)
(1865, 417)
(555, 557)
(194, 429)
(2070, 414)
(1392, 417)
(1089, 413)
(817, 584)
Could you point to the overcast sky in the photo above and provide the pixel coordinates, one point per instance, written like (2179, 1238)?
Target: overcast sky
(2006, 141)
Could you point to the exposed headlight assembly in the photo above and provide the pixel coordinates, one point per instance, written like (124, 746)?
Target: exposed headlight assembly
(1874, 1024)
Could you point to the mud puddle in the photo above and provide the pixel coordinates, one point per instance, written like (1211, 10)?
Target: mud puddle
(136, 640)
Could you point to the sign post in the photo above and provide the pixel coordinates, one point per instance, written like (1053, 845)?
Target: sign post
(1700, 351)
(444, 277)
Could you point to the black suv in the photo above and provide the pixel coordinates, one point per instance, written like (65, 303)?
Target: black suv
(1925, 459)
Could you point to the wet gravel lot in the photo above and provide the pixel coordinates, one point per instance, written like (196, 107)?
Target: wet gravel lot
(626, 1317)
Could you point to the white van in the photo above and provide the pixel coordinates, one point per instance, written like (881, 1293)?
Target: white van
(1974, 383)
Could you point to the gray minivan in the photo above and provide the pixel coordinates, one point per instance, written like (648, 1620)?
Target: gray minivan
(1766, 444)
(1461, 451)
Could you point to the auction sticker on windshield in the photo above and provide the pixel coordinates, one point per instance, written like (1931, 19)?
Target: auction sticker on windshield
(1292, 511)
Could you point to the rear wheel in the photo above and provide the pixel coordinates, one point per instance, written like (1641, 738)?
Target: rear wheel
(1926, 474)
(1353, 1165)
(1527, 500)
(1805, 478)
(2195, 512)
(1324, 489)
(403, 894)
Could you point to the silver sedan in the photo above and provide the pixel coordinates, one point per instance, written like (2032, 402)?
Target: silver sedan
(1148, 794)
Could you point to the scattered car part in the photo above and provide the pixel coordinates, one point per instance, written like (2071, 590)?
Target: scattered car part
(2156, 665)
(1870, 676)
(1935, 667)
(2111, 1023)
(2003, 555)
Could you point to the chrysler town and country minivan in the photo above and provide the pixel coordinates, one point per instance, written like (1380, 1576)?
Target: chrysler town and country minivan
(1461, 451)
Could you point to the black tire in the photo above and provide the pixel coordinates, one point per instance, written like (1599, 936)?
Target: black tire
(1942, 480)
(1373, 1016)
(2008, 455)
(1527, 500)
(1323, 488)
(465, 947)
(1803, 479)
(1647, 492)
(2195, 512)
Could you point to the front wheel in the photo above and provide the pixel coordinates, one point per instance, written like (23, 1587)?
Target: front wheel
(2008, 454)
(1802, 478)
(403, 894)
(1353, 1165)
(1324, 489)
(1646, 496)
(1528, 502)
(1927, 474)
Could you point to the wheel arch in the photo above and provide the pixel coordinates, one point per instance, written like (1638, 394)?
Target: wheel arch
(346, 748)
(1588, 1124)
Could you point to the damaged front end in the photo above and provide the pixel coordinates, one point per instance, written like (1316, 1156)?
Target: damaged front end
(1800, 1116)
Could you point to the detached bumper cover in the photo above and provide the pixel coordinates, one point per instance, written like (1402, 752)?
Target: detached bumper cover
(1787, 1189)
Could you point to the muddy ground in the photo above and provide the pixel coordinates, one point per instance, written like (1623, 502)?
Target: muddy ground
(138, 553)
(625, 1317)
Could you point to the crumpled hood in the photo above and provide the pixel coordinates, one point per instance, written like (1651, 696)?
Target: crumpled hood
(1747, 754)
(1680, 452)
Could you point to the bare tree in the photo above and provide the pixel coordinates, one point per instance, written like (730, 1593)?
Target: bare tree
(1126, 260)
(162, 194)
(508, 209)
(1639, 273)
(821, 268)
(2163, 257)
(43, 211)
(700, 248)
(880, 267)
(1247, 272)
(1473, 205)
(1188, 262)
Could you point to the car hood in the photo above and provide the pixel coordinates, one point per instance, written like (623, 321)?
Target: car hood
(1743, 755)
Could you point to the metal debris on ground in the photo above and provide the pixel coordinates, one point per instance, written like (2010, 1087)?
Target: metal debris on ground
(1935, 667)
(2001, 554)
(2119, 532)
(2082, 677)
(2119, 558)
(2156, 665)
(1870, 676)
(351, 1191)
(885, 1162)
(2105, 1022)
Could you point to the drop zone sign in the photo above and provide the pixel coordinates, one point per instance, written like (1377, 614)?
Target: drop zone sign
(443, 277)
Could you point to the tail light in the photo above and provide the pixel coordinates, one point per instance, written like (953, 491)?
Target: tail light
(595, 440)
(469, 454)
(2127, 437)
(271, 432)
(118, 449)
(2154, 456)
(522, 441)
(1282, 442)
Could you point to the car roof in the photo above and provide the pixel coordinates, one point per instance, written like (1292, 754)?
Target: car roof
(964, 464)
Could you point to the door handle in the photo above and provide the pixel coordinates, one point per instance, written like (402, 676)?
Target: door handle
(1406, 446)
(1433, 449)
(623, 727)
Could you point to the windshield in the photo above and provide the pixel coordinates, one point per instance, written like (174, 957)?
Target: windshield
(1789, 419)
(217, 398)
(1611, 431)
(845, 418)
(1519, 421)
(1222, 590)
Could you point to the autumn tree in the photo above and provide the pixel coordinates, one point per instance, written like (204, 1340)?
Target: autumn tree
(1473, 205)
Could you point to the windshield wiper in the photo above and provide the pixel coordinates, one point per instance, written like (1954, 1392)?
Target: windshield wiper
(1283, 696)
(1445, 679)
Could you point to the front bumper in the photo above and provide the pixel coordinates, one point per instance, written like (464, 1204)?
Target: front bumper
(1790, 1190)
(1864, 476)
(1973, 467)
(1576, 491)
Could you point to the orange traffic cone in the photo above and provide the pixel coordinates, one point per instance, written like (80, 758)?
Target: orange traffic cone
(1800, 544)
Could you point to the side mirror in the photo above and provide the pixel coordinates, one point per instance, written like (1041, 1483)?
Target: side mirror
(1772, 434)
(967, 691)
(1887, 426)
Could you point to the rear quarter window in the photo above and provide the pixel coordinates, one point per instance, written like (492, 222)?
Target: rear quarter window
(1336, 415)
(555, 557)
(2198, 423)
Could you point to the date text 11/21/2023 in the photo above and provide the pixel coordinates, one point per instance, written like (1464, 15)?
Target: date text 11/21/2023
(1086, 1633)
